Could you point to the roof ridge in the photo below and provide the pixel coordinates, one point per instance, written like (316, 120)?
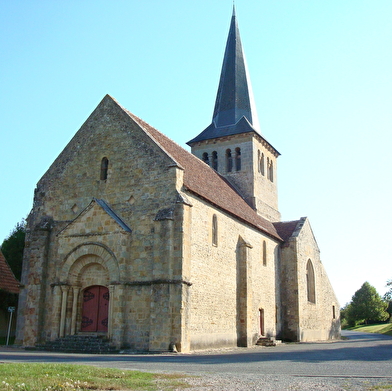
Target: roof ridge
(203, 180)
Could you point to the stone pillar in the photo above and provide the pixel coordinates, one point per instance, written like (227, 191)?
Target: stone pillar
(244, 295)
(161, 315)
(64, 291)
(76, 291)
(110, 310)
(56, 311)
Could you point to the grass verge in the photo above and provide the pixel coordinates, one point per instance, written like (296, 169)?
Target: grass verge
(64, 377)
(385, 328)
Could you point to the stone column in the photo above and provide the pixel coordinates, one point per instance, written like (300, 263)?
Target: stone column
(110, 310)
(64, 290)
(244, 295)
(76, 291)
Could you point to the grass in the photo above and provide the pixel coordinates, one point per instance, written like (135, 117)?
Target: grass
(384, 328)
(65, 377)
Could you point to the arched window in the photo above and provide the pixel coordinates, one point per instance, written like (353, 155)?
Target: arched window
(262, 164)
(310, 283)
(238, 159)
(264, 253)
(229, 161)
(205, 158)
(271, 171)
(268, 170)
(215, 160)
(214, 230)
(104, 169)
(258, 160)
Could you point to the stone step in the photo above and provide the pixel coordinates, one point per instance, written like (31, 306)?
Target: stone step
(79, 344)
(268, 341)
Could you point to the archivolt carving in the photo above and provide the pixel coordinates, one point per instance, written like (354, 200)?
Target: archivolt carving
(104, 256)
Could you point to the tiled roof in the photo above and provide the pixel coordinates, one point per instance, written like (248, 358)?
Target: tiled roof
(8, 282)
(286, 229)
(201, 179)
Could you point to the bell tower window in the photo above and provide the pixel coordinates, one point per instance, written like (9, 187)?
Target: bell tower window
(229, 161)
(238, 159)
(104, 169)
(215, 160)
(271, 171)
(205, 158)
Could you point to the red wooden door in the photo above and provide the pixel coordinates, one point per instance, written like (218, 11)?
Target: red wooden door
(95, 309)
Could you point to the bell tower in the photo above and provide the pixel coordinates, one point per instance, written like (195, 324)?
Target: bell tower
(232, 144)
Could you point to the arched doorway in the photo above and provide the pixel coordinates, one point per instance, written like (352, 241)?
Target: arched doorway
(95, 309)
(261, 316)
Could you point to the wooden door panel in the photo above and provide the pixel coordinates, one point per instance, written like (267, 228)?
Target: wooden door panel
(95, 309)
(90, 304)
(102, 321)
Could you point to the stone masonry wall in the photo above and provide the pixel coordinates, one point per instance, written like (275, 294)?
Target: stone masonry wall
(304, 319)
(316, 320)
(217, 299)
(258, 190)
(142, 181)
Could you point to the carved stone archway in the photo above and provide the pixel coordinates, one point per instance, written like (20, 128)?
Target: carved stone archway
(86, 265)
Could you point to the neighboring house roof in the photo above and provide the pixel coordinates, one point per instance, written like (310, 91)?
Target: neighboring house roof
(201, 179)
(8, 282)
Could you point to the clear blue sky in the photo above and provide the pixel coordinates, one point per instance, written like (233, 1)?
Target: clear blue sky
(322, 78)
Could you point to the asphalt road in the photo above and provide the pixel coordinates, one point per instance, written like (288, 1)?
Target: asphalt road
(361, 361)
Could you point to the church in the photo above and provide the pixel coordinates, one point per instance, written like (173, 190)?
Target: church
(133, 237)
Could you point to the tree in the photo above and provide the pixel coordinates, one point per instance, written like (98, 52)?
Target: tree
(13, 246)
(366, 306)
(344, 321)
(388, 298)
(388, 295)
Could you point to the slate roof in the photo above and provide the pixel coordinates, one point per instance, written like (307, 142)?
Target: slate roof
(286, 229)
(235, 109)
(8, 282)
(106, 208)
(201, 179)
(112, 214)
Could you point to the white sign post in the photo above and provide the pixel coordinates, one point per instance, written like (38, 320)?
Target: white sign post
(11, 310)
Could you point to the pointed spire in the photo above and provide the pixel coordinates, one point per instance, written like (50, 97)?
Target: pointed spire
(234, 110)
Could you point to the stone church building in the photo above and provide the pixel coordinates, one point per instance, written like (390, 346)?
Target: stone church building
(133, 237)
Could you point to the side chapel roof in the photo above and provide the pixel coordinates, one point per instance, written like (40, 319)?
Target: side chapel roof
(286, 229)
(201, 179)
(8, 282)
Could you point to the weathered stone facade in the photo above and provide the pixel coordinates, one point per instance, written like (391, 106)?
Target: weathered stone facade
(147, 236)
(133, 237)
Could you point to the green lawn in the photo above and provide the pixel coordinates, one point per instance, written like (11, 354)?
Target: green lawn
(64, 377)
(385, 328)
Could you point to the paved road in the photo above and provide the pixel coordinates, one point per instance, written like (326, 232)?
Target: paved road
(352, 364)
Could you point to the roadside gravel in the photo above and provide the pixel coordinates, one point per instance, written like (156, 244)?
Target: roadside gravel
(228, 382)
